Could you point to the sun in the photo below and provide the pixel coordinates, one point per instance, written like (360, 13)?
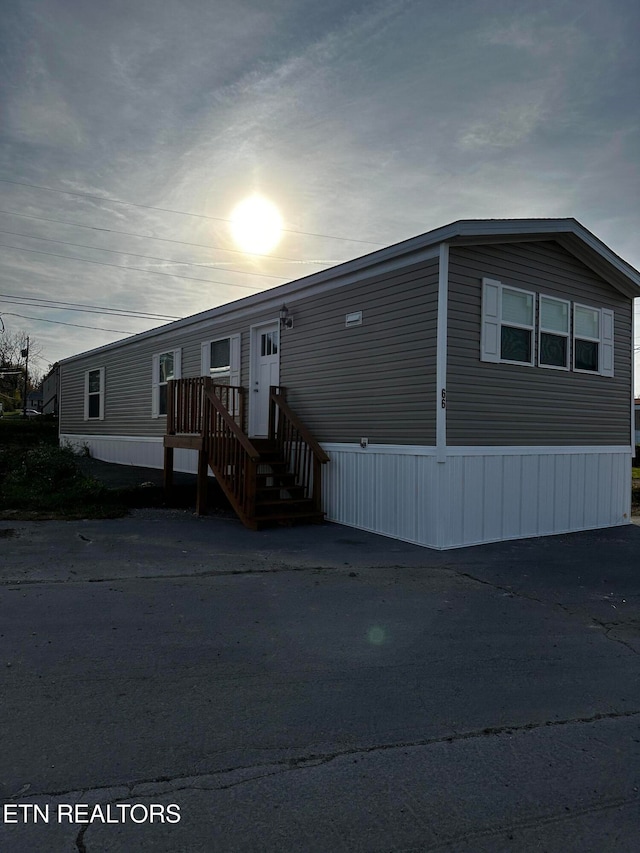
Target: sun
(256, 225)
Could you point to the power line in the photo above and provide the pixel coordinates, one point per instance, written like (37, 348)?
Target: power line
(34, 302)
(179, 212)
(132, 269)
(135, 254)
(148, 314)
(60, 323)
(323, 262)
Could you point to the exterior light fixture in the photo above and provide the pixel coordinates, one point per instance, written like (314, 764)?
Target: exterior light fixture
(286, 319)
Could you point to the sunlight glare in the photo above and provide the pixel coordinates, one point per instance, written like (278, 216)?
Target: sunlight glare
(256, 225)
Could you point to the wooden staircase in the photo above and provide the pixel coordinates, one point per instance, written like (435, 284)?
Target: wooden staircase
(268, 481)
(279, 497)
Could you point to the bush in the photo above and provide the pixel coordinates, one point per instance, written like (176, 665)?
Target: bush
(47, 478)
(25, 432)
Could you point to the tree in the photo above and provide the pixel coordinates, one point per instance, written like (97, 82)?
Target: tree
(12, 367)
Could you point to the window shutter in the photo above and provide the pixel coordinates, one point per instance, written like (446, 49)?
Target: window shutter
(234, 360)
(205, 359)
(490, 334)
(606, 345)
(177, 364)
(86, 396)
(155, 393)
(102, 394)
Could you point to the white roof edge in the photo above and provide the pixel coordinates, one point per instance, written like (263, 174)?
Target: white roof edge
(568, 225)
(460, 228)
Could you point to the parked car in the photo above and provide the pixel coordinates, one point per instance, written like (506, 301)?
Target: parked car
(32, 413)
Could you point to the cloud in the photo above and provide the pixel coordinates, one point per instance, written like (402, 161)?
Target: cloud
(38, 113)
(507, 126)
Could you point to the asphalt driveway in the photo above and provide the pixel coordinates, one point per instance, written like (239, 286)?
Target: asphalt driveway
(315, 689)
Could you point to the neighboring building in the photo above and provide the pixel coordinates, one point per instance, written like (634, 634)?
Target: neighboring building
(469, 385)
(636, 412)
(34, 400)
(51, 391)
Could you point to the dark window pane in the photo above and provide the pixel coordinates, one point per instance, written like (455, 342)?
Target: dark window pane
(166, 366)
(276, 336)
(94, 381)
(515, 344)
(94, 405)
(162, 400)
(586, 355)
(553, 350)
(220, 356)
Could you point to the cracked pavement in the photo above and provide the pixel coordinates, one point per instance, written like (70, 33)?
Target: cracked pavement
(318, 688)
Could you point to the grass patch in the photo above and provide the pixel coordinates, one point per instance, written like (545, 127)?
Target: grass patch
(42, 480)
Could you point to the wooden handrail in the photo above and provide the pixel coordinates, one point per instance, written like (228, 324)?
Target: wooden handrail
(279, 398)
(231, 456)
(185, 403)
(300, 450)
(220, 408)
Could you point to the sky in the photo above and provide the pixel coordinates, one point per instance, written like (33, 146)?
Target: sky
(130, 131)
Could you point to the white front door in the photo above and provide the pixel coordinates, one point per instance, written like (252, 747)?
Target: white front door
(265, 371)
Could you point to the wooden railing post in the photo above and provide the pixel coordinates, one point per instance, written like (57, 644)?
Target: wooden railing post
(272, 412)
(203, 475)
(241, 409)
(171, 418)
(250, 484)
(168, 471)
(317, 484)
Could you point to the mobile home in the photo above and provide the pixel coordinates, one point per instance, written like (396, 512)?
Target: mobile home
(472, 384)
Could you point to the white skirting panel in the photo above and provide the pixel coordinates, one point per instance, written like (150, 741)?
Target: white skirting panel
(388, 490)
(133, 450)
(478, 494)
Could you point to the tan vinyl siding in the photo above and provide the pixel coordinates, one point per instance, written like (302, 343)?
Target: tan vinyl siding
(376, 380)
(128, 377)
(505, 404)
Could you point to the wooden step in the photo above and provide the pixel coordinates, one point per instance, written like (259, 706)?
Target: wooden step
(273, 462)
(284, 506)
(288, 519)
(276, 492)
(264, 445)
(283, 480)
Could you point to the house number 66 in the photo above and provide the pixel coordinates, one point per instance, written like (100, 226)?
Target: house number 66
(444, 399)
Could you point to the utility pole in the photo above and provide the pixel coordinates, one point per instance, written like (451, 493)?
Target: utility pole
(25, 355)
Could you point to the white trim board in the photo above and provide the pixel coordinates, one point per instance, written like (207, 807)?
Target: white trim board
(400, 449)
(474, 450)
(441, 353)
(76, 437)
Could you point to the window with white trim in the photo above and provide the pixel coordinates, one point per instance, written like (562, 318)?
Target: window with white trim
(508, 324)
(220, 359)
(166, 366)
(94, 394)
(553, 338)
(592, 340)
(581, 339)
